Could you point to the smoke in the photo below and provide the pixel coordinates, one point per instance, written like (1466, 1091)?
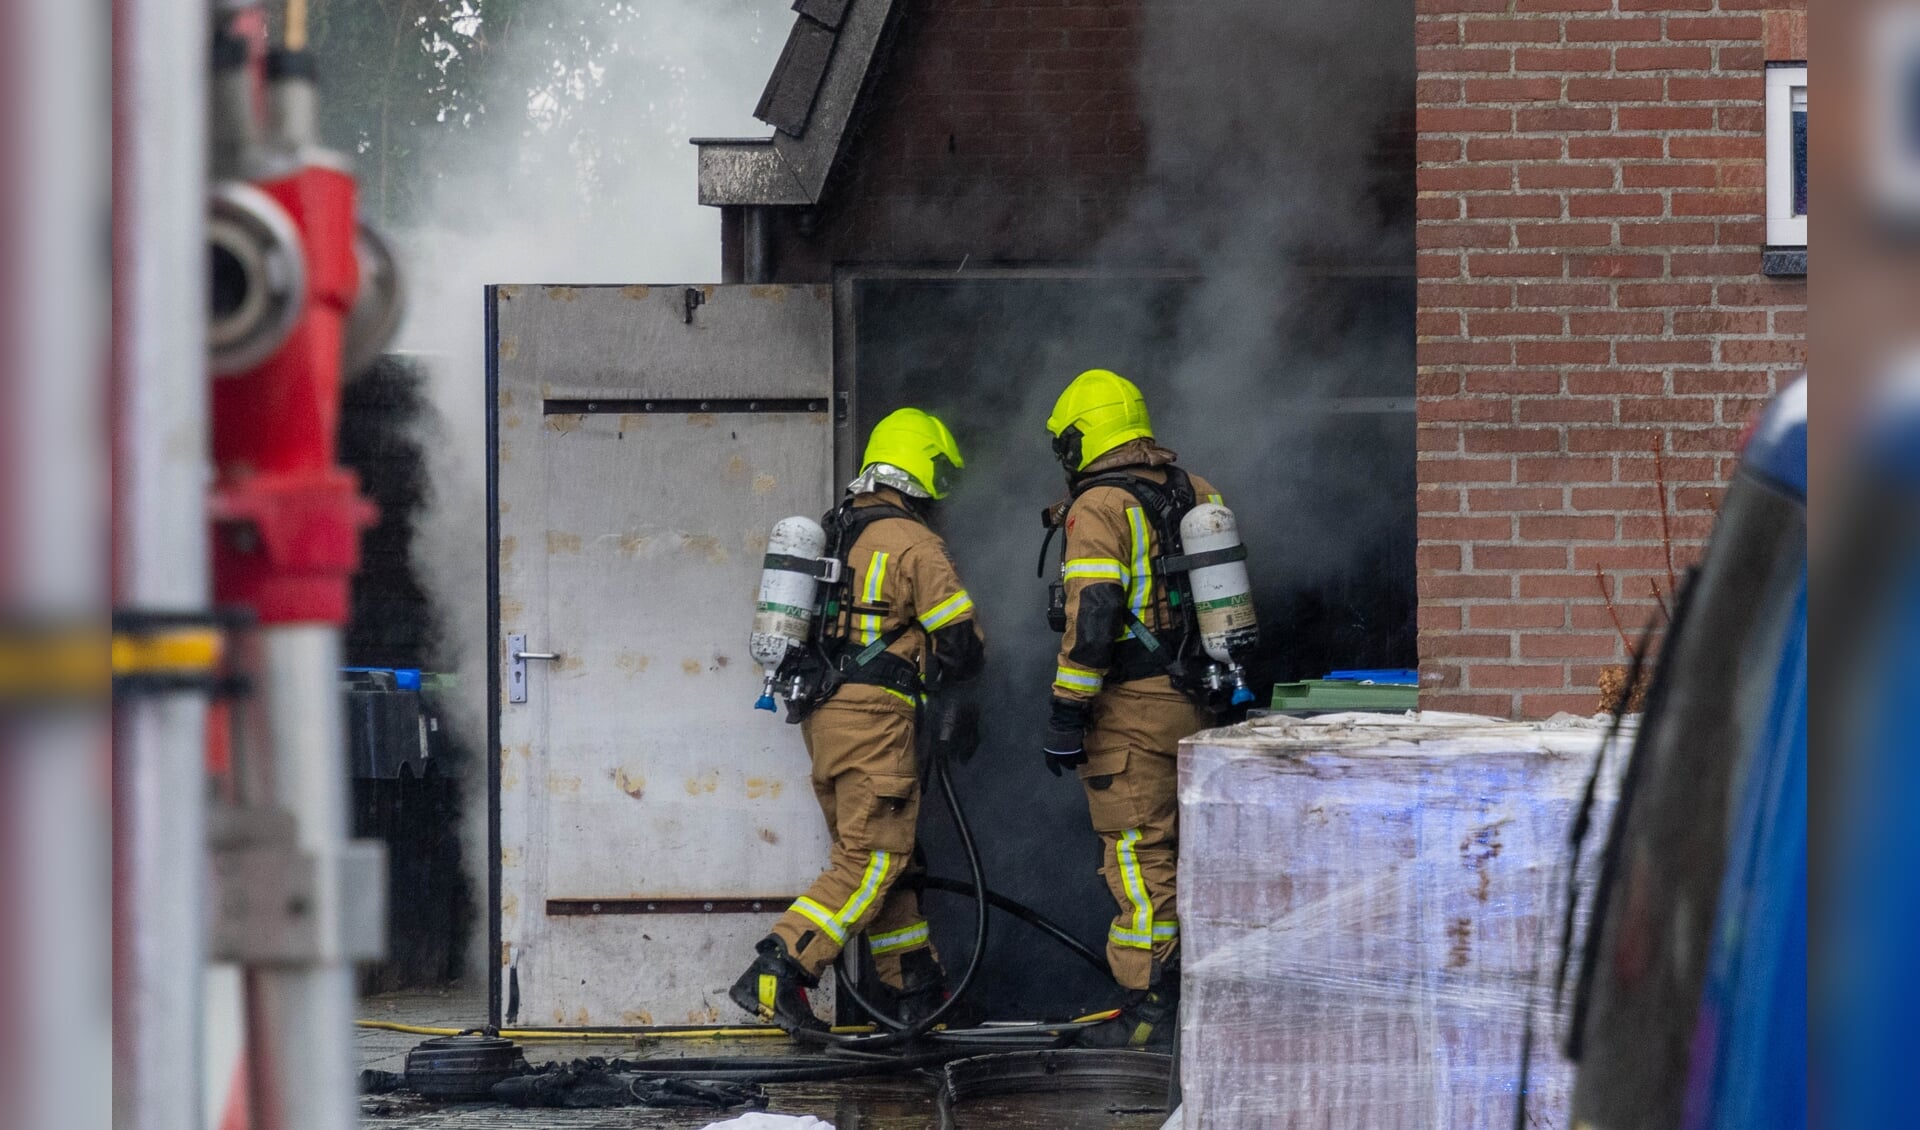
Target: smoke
(1266, 124)
(1265, 184)
(583, 174)
(592, 181)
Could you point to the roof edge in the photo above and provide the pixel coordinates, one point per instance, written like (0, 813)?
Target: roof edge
(746, 171)
(785, 169)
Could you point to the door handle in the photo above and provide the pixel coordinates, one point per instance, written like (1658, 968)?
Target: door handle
(517, 657)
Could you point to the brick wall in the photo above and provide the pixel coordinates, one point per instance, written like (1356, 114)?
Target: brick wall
(1591, 221)
(997, 130)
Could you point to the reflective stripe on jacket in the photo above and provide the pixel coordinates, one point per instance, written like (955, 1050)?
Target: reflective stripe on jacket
(900, 573)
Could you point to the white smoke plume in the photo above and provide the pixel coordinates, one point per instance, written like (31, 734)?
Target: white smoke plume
(1266, 125)
(596, 184)
(585, 176)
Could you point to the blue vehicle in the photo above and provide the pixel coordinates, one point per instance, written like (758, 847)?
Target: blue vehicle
(1690, 1007)
(1867, 963)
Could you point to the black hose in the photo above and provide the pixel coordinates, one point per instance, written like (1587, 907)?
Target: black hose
(880, 1016)
(784, 1069)
(1025, 914)
(859, 1051)
(1094, 959)
(902, 1032)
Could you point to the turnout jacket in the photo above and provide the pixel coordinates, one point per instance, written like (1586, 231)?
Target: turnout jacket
(1110, 549)
(902, 576)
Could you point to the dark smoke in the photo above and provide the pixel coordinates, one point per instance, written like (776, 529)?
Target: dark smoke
(1272, 177)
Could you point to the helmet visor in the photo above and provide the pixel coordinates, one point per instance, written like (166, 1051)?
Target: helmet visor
(946, 476)
(1066, 447)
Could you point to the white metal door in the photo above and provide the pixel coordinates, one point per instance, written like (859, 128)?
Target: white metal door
(652, 823)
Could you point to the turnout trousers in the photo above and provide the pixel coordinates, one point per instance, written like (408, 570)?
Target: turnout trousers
(861, 742)
(1132, 741)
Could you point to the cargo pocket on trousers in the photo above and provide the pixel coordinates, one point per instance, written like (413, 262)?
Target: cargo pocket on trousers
(887, 809)
(1110, 799)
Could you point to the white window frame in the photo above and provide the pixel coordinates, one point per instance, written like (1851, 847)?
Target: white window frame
(1784, 228)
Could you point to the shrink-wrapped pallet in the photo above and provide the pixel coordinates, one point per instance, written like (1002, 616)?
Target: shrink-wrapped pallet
(1366, 902)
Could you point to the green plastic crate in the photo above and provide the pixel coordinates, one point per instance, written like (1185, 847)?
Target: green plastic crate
(1323, 696)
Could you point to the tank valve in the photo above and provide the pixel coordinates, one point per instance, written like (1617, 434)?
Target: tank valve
(765, 701)
(1241, 695)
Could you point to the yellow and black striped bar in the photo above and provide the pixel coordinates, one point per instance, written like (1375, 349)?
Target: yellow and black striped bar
(168, 651)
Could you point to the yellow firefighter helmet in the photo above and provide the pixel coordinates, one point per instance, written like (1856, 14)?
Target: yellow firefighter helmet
(918, 443)
(1098, 412)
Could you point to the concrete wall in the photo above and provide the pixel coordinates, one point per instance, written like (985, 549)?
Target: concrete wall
(1593, 321)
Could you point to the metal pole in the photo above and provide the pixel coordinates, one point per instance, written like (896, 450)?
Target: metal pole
(496, 994)
(300, 1017)
(53, 342)
(757, 234)
(160, 549)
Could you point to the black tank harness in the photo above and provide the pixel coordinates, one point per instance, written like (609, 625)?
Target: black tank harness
(1175, 651)
(831, 658)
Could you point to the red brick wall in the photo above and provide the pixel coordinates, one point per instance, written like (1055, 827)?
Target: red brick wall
(1591, 221)
(999, 130)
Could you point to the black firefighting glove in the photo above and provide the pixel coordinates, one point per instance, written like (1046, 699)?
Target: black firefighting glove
(1064, 744)
(950, 727)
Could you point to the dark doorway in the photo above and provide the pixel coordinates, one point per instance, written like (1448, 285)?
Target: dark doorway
(1311, 440)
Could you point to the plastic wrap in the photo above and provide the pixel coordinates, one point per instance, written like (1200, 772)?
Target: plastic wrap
(1366, 902)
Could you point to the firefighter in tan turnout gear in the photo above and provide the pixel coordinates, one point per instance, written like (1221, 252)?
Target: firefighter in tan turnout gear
(1128, 684)
(892, 625)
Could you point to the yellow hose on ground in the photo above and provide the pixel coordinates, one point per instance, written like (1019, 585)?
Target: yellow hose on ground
(588, 1035)
(585, 1035)
(1090, 1017)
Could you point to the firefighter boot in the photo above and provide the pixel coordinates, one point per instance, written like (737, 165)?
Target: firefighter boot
(774, 988)
(923, 987)
(1149, 1018)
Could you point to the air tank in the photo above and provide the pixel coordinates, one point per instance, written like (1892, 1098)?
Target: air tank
(1222, 595)
(789, 593)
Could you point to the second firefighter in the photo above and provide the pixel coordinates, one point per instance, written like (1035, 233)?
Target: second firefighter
(1131, 678)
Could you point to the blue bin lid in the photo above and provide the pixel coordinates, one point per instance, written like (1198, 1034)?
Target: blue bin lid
(404, 678)
(1380, 676)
